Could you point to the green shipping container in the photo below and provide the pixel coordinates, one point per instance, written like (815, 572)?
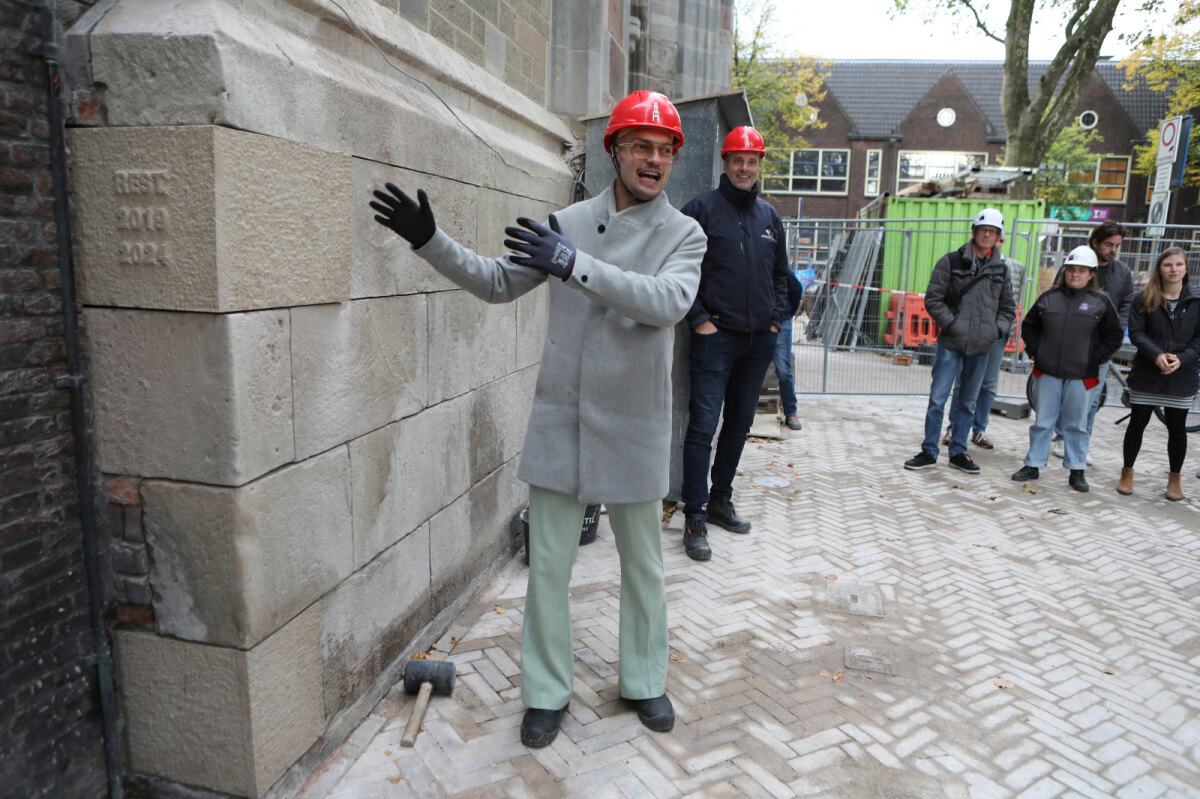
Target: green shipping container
(931, 240)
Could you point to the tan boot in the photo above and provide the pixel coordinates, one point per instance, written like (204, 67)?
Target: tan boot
(1125, 484)
(1174, 489)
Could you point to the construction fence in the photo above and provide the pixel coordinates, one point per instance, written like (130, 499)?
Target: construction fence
(862, 327)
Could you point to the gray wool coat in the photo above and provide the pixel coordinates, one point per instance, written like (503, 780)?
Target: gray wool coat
(600, 426)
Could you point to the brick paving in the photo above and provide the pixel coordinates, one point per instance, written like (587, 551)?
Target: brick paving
(880, 633)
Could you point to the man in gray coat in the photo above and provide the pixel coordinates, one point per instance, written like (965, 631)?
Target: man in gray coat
(970, 298)
(626, 267)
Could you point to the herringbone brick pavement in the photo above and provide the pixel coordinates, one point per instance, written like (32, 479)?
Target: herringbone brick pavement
(880, 633)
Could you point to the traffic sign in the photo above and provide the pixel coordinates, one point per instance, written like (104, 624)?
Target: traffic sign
(1168, 139)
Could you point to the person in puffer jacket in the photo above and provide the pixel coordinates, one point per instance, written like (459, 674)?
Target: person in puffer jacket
(1069, 332)
(970, 298)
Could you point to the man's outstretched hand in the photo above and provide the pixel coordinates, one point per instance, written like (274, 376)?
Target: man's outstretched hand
(412, 222)
(544, 248)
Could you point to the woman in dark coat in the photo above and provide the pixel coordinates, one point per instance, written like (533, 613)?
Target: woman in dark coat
(1164, 325)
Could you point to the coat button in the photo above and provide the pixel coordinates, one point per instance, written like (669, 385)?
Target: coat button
(600, 229)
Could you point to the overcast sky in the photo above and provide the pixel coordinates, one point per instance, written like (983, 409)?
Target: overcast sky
(863, 29)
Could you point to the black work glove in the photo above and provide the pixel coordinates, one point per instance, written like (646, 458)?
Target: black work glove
(411, 222)
(545, 248)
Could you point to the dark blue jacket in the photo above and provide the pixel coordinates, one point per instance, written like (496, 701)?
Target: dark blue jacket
(743, 278)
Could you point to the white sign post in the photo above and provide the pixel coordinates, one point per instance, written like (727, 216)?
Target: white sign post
(1169, 134)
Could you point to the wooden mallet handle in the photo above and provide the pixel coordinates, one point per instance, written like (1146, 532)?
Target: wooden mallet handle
(418, 715)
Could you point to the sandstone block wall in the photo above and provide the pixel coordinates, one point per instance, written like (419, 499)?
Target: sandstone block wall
(310, 437)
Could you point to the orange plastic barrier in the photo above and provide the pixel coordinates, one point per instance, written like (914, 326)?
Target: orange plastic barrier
(1014, 343)
(918, 326)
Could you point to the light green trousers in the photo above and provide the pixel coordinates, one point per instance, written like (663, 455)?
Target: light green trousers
(547, 644)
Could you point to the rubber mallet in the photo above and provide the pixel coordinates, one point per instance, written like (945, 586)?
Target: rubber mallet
(425, 677)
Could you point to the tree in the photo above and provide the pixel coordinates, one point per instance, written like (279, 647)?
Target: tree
(1170, 63)
(1066, 180)
(1035, 120)
(781, 90)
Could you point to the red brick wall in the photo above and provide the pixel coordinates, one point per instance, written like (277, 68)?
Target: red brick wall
(50, 735)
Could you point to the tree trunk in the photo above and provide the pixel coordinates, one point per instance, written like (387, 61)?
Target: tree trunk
(1035, 121)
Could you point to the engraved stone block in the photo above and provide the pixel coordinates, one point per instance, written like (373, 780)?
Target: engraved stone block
(357, 366)
(230, 566)
(199, 397)
(206, 218)
(227, 720)
(406, 472)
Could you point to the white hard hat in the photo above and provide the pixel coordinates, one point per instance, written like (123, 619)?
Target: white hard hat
(1081, 256)
(989, 216)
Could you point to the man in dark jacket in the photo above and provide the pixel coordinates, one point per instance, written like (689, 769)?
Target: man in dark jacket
(970, 298)
(742, 304)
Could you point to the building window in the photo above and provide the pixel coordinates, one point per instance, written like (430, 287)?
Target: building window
(871, 182)
(918, 166)
(806, 172)
(1088, 120)
(1112, 179)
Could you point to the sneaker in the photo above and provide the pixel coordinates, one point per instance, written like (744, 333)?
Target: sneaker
(963, 462)
(922, 460)
(947, 437)
(540, 727)
(657, 713)
(793, 422)
(695, 539)
(1078, 481)
(982, 441)
(1026, 473)
(1057, 449)
(721, 513)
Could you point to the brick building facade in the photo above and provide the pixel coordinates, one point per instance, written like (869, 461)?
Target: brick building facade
(51, 732)
(889, 124)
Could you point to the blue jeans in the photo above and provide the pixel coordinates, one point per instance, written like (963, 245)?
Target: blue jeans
(726, 368)
(987, 389)
(783, 368)
(1095, 406)
(1060, 404)
(946, 364)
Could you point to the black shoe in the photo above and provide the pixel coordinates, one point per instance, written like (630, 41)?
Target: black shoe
(922, 460)
(540, 727)
(1078, 481)
(793, 422)
(1026, 473)
(721, 513)
(657, 713)
(695, 539)
(963, 462)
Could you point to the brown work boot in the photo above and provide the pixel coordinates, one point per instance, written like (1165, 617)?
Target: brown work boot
(1125, 484)
(1174, 489)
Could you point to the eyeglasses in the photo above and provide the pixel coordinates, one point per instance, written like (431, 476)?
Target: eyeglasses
(641, 150)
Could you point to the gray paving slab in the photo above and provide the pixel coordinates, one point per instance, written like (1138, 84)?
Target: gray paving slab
(1034, 641)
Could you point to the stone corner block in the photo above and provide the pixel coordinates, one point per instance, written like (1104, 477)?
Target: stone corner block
(187, 396)
(229, 720)
(207, 218)
(230, 566)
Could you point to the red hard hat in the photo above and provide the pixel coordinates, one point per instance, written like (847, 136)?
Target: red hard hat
(744, 140)
(644, 109)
